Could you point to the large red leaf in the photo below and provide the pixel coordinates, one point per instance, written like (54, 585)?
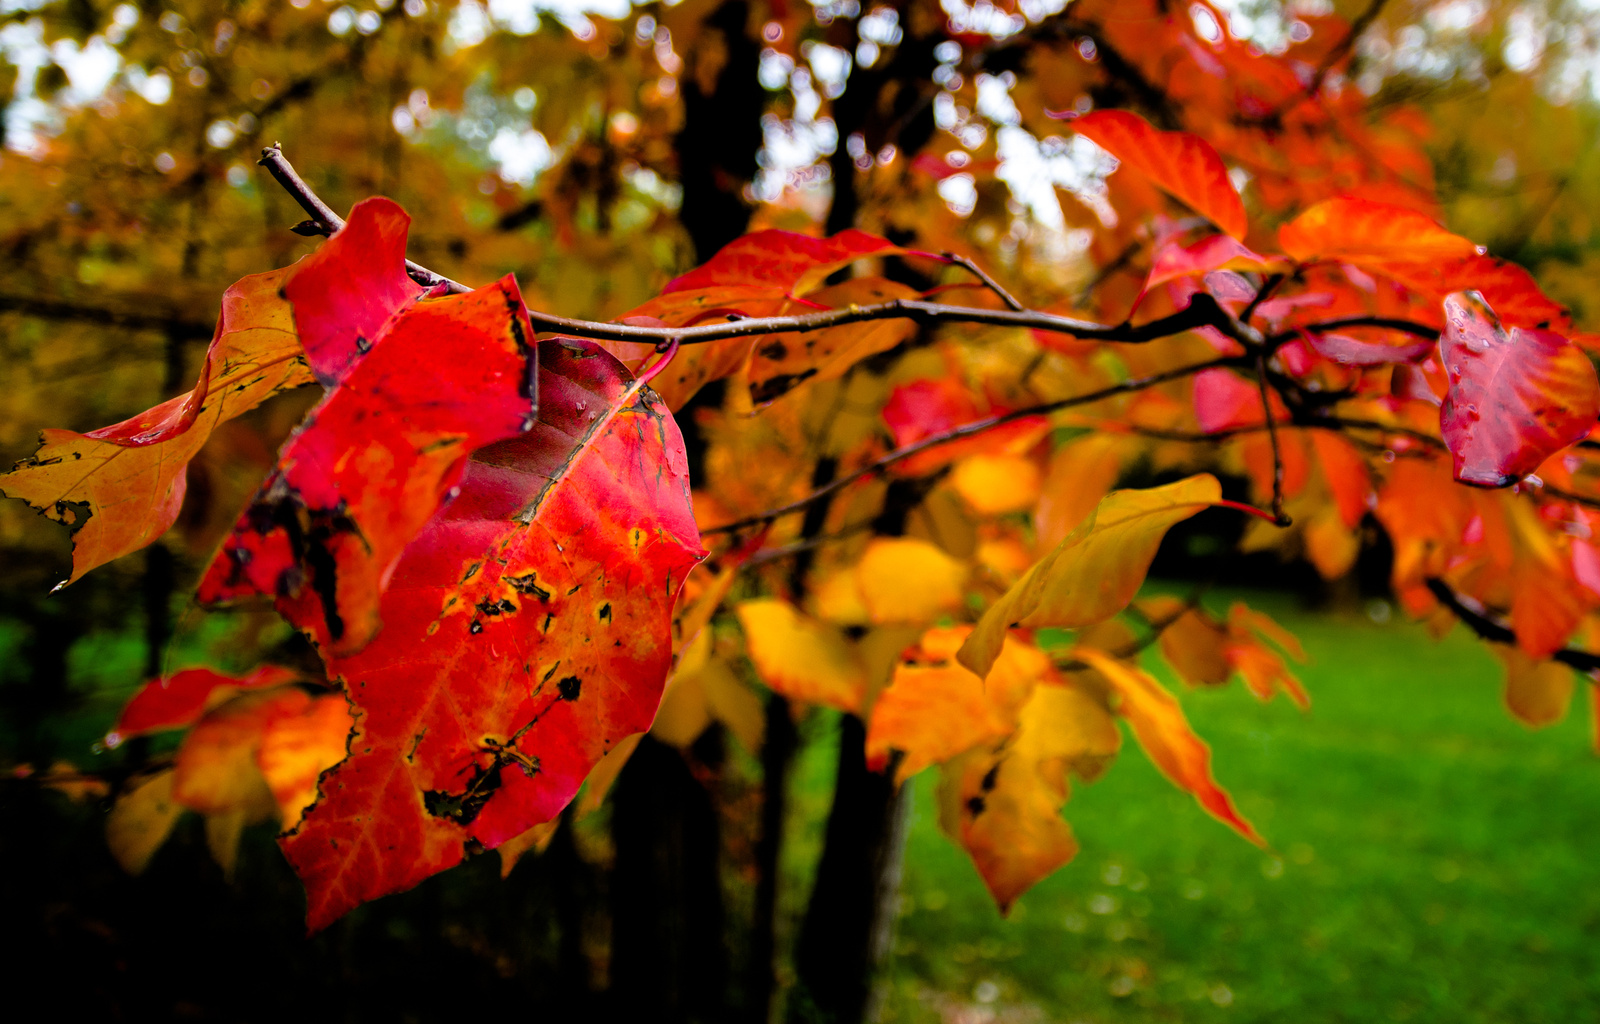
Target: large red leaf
(765, 273)
(377, 458)
(526, 632)
(1177, 162)
(1515, 397)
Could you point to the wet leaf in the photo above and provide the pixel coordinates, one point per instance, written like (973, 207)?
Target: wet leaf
(1515, 397)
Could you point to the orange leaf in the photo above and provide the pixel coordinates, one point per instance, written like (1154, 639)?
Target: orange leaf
(935, 708)
(1004, 805)
(1182, 164)
(1371, 234)
(119, 488)
(909, 581)
(1538, 692)
(1162, 730)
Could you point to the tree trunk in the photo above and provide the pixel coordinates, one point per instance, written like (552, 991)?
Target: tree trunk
(668, 960)
(843, 939)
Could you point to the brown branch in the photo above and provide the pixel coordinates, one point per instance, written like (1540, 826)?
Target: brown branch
(1202, 311)
(48, 309)
(989, 282)
(1278, 514)
(1489, 628)
(1392, 323)
(966, 430)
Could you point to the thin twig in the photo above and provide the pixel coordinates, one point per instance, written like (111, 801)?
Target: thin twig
(1268, 286)
(989, 282)
(325, 222)
(1278, 514)
(1202, 311)
(966, 430)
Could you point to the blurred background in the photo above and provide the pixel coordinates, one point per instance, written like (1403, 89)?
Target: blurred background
(1433, 857)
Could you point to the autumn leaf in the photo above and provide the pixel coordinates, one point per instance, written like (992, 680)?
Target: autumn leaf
(140, 821)
(375, 460)
(903, 580)
(1374, 235)
(180, 699)
(1515, 397)
(121, 487)
(1173, 260)
(1180, 163)
(1162, 730)
(935, 708)
(764, 273)
(801, 658)
(1538, 691)
(527, 631)
(1004, 804)
(1095, 571)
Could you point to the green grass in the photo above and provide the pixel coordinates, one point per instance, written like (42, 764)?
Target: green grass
(1434, 861)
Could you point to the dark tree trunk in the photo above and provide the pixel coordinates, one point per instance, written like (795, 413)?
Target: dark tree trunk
(842, 940)
(721, 131)
(668, 961)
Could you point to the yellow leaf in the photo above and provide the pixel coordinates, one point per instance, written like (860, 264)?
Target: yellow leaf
(1095, 571)
(801, 658)
(1004, 804)
(216, 770)
(536, 839)
(1537, 691)
(995, 483)
(140, 822)
(1162, 730)
(684, 712)
(604, 774)
(734, 704)
(297, 748)
(904, 580)
(836, 598)
(223, 832)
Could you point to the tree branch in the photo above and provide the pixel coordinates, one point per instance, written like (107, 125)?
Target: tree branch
(1278, 515)
(50, 310)
(965, 430)
(1479, 621)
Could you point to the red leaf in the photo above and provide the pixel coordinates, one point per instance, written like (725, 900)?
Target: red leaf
(1223, 400)
(1178, 162)
(346, 291)
(1354, 352)
(181, 698)
(780, 261)
(1214, 252)
(377, 458)
(527, 631)
(925, 408)
(1514, 398)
